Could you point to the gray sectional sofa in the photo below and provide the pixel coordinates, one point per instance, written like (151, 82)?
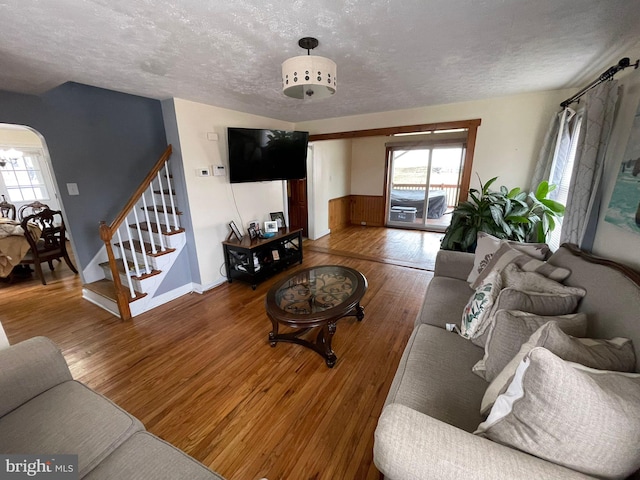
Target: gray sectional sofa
(44, 411)
(426, 427)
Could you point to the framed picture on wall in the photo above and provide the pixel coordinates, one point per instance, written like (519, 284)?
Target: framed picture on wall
(279, 218)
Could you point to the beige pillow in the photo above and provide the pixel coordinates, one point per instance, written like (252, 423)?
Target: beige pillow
(507, 254)
(540, 303)
(487, 245)
(615, 354)
(512, 328)
(584, 419)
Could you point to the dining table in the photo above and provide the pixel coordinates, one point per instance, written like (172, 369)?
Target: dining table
(13, 244)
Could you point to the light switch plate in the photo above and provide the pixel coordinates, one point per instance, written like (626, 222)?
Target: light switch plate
(203, 172)
(72, 188)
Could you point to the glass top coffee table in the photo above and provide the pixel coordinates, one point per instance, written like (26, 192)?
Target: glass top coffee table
(316, 297)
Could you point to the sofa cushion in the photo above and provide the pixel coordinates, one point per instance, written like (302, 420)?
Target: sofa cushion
(487, 245)
(507, 255)
(615, 354)
(68, 418)
(581, 418)
(144, 456)
(434, 377)
(444, 301)
(512, 328)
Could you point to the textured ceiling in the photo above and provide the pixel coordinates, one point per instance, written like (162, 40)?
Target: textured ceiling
(391, 54)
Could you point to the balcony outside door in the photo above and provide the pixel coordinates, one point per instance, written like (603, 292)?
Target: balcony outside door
(423, 185)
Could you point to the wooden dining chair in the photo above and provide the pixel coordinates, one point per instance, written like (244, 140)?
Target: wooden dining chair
(30, 209)
(52, 243)
(7, 210)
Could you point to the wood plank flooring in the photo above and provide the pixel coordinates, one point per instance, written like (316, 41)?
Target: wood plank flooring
(199, 372)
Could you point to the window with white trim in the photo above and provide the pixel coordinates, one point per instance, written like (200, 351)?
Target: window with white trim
(23, 177)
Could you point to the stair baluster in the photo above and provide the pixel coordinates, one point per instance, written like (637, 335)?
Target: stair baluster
(134, 257)
(145, 209)
(164, 207)
(170, 189)
(126, 264)
(145, 257)
(155, 211)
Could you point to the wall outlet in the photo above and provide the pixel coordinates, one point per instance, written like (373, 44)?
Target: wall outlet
(203, 172)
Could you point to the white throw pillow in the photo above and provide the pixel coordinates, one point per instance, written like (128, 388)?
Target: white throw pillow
(584, 419)
(487, 245)
(615, 354)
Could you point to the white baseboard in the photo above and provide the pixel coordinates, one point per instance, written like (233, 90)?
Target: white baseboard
(198, 288)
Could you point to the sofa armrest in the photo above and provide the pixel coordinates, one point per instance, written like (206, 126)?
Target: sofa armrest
(453, 264)
(29, 368)
(410, 445)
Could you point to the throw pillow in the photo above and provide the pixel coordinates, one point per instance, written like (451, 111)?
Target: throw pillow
(512, 328)
(479, 305)
(563, 302)
(487, 244)
(584, 419)
(615, 354)
(507, 254)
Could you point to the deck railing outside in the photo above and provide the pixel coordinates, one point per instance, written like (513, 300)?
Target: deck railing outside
(451, 190)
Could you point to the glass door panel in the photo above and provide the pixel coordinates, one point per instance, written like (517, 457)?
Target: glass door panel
(424, 184)
(408, 179)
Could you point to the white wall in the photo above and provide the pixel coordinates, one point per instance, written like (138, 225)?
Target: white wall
(213, 201)
(331, 179)
(611, 241)
(368, 164)
(507, 145)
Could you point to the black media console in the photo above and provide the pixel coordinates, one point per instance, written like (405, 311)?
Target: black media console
(253, 261)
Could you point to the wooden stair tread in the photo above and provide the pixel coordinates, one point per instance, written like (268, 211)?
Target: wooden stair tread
(165, 192)
(147, 248)
(161, 209)
(154, 228)
(121, 269)
(107, 289)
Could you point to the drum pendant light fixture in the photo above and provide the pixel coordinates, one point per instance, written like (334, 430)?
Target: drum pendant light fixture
(308, 76)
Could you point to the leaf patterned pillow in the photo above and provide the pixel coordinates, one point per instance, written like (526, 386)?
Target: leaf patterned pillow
(478, 307)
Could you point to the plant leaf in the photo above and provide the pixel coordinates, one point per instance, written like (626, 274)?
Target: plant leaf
(543, 190)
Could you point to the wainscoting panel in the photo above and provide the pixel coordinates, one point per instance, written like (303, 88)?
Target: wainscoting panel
(368, 209)
(339, 213)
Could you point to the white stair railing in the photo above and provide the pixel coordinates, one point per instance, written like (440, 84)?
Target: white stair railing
(112, 232)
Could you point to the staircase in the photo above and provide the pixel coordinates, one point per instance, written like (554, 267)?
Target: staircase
(141, 244)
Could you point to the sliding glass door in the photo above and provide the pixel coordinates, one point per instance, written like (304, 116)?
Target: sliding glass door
(423, 185)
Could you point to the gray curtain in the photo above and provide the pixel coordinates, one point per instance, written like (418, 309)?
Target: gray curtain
(598, 108)
(556, 145)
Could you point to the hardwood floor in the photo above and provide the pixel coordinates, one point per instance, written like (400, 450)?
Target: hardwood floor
(199, 372)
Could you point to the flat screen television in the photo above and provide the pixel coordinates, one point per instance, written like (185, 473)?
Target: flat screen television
(257, 155)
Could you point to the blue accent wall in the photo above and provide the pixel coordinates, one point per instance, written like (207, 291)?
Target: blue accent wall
(104, 141)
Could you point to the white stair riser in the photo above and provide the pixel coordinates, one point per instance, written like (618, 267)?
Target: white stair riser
(138, 285)
(169, 240)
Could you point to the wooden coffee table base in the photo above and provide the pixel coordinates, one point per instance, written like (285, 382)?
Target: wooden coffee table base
(322, 344)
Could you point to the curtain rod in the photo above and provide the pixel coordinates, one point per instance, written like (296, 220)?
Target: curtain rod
(607, 75)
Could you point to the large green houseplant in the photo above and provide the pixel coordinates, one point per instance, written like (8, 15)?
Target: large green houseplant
(507, 214)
